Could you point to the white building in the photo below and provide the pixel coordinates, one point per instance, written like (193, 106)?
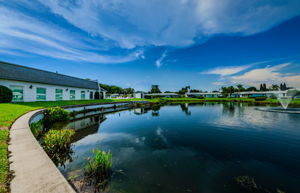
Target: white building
(203, 94)
(139, 95)
(161, 95)
(249, 94)
(29, 84)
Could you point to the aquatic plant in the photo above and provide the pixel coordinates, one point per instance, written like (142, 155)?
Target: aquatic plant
(139, 105)
(55, 114)
(99, 169)
(57, 144)
(279, 191)
(246, 182)
(37, 128)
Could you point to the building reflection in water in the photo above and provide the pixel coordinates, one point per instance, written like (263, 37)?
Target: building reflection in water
(86, 126)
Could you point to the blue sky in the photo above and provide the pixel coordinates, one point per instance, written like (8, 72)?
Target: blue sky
(135, 43)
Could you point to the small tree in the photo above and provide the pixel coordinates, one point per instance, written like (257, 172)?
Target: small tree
(6, 94)
(240, 87)
(55, 114)
(252, 88)
(155, 89)
(224, 91)
(184, 90)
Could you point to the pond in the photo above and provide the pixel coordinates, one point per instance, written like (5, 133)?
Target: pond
(191, 148)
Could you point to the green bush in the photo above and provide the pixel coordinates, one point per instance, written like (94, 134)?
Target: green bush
(100, 166)
(260, 98)
(200, 97)
(6, 94)
(273, 96)
(37, 128)
(246, 182)
(55, 114)
(57, 144)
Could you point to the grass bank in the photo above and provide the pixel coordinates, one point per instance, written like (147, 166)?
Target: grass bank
(9, 112)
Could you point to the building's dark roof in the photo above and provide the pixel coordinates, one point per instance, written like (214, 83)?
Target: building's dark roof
(21, 73)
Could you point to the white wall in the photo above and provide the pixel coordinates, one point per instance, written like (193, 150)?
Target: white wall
(138, 95)
(29, 94)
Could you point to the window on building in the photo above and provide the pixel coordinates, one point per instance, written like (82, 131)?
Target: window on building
(82, 95)
(72, 95)
(58, 94)
(17, 93)
(91, 95)
(41, 94)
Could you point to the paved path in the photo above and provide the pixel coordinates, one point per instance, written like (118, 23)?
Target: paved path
(33, 170)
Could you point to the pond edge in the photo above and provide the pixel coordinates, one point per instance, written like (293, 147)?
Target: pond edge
(32, 169)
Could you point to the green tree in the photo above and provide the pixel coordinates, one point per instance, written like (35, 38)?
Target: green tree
(224, 91)
(184, 90)
(275, 87)
(230, 89)
(252, 88)
(155, 89)
(128, 91)
(240, 88)
(195, 90)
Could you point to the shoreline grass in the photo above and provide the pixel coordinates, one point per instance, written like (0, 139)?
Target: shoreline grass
(9, 112)
(4, 164)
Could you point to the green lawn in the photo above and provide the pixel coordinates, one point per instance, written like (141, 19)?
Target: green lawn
(9, 112)
(4, 168)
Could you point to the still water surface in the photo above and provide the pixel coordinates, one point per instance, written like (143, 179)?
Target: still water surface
(192, 148)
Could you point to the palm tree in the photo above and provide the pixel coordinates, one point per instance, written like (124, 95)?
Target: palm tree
(240, 87)
(275, 87)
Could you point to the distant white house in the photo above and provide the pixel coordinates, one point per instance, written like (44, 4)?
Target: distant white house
(249, 94)
(29, 84)
(203, 94)
(161, 95)
(139, 94)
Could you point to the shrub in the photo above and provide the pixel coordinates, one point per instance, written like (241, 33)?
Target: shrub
(6, 94)
(55, 114)
(260, 98)
(37, 128)
(57, 144)
(100, 166)
(246, 182)
(139, 105)
(97, 95)
(273, 96)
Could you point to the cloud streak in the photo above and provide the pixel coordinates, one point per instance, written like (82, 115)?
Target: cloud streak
(270, 75)
(159, 61)
(22, 34)
(226, 71)
(178, 23)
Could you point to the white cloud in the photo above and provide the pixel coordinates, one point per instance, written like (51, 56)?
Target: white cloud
(231, 70)
(219, 83)
(102, 26)
(269, 75)
(19, 32)
(177, 23)
(159, 61)
(225, 71)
